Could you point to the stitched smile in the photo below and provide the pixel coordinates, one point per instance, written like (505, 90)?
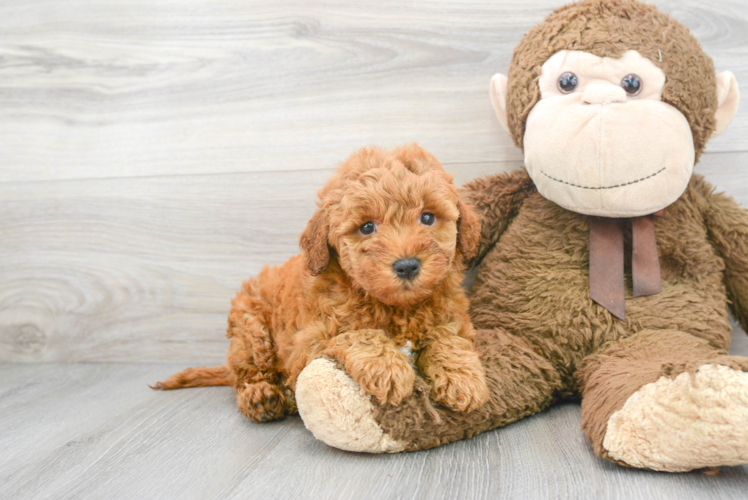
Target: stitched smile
(603, 187)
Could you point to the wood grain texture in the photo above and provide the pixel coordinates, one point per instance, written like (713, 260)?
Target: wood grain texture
(139, 269)
(138, 88)
(154, 155)
(144, 269)
(96, 431)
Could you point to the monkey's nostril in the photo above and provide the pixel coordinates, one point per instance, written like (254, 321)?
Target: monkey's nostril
(407, 268)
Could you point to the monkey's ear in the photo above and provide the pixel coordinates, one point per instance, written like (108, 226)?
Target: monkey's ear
(728, 97)
(498, 98)
(468, 230)
(313, 242)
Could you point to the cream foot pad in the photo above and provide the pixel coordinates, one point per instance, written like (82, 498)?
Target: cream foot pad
(338, 412)
(684, 423)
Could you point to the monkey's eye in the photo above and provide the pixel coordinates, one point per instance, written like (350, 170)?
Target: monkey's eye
(428, 219)
(567, 82)
(367, 228)
(631, 84)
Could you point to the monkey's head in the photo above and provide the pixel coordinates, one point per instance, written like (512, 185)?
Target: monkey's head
(612, 103)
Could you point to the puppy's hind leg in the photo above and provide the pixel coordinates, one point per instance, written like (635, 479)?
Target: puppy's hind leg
(260, 392)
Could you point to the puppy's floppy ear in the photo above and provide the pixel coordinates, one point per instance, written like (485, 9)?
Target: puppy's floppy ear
(314, 241)
(468, 230)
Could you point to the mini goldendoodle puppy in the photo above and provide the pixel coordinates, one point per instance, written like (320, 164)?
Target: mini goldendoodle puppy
(381, 266)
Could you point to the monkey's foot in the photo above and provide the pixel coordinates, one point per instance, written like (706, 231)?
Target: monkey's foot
(338, 412)
(685, 423)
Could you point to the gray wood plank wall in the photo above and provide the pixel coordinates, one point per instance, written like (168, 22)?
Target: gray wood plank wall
(155, 154)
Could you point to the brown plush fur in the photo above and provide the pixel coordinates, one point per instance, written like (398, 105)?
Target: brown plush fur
(542, 339)
(341, 298)
(587, 26)
(540, 335)
(611, 375)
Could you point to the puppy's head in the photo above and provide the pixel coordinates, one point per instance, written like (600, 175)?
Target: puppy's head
(394, 222)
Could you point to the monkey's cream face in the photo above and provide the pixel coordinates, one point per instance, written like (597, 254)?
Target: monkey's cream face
(600, 141)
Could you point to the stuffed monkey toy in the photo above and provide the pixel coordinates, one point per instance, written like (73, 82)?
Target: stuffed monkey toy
(607, 267)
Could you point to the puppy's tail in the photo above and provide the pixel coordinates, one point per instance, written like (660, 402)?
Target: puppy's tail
(198, 377)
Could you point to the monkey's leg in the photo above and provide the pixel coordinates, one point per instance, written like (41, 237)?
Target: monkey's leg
(260, 391)
(666, 400)
(341, 414)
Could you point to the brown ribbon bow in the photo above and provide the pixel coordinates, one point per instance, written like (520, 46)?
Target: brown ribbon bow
(606, 260)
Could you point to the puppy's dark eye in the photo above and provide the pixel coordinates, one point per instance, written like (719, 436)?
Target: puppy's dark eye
(428, 219)
(631, 84)
(567, 82)
(367, 228)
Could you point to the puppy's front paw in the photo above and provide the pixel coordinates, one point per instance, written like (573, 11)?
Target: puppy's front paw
(375, 364)
(461, 389)
(389, 378)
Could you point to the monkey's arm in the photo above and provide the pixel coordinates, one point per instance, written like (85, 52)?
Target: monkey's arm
(496, 199)
(727, 223)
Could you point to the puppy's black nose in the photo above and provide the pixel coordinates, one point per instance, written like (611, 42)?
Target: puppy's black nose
(407, 269)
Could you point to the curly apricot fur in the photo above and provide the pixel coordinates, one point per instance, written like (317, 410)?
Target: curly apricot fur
(341, 297)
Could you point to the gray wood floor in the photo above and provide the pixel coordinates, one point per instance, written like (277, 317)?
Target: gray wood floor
(155, 153)
(95, 430)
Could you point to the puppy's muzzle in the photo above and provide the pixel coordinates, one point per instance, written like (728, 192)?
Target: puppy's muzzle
(407, 269)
